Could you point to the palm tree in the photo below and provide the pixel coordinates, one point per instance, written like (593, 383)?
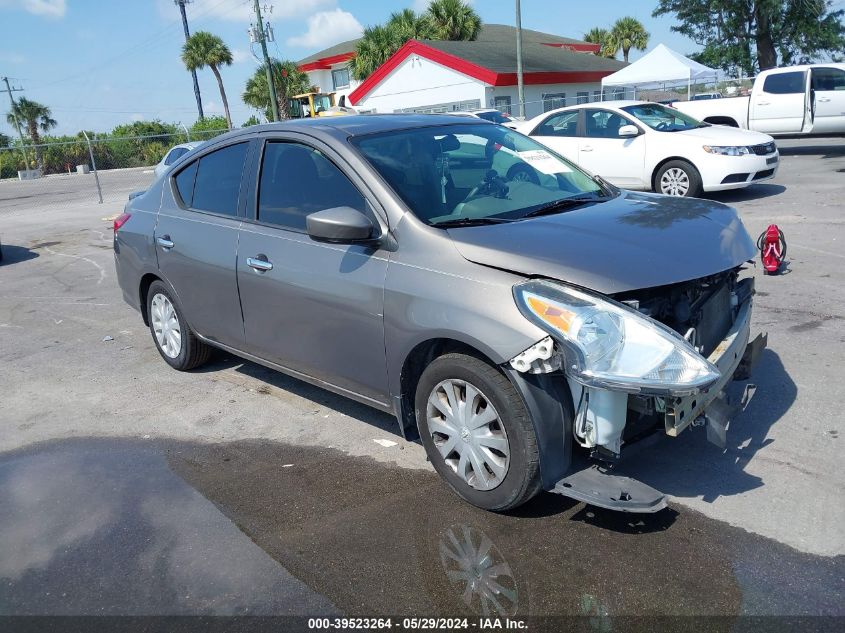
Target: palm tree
(205, 49)
(452, 20)
(628, 33)
(288, 79)
(443, 20)
(34, 116)
(601, 37)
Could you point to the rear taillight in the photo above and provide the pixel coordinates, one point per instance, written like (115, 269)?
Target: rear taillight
(121, 220)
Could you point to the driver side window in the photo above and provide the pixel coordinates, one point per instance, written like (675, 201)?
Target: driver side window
(603, 124)
(560, 124)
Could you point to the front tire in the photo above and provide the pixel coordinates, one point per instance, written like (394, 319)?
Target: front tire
(678, 178)
(174, 339)
(477, 432)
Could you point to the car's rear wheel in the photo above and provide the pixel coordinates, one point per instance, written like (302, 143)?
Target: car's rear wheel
(174, 339)
(477, 432)
(678, 178)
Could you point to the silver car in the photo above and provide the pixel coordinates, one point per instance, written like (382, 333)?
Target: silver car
(527, 320)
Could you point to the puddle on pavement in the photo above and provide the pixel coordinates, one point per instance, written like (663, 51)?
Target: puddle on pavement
(131, 527)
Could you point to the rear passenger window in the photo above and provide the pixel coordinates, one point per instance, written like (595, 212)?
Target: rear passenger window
(563, 124)
(785, 83)
(297, 180)
(218, 180)
(185, 183)
(174, 154)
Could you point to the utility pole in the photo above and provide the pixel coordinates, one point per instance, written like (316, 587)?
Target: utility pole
(520, 86)
(181, 4)
(10, 90)
(261, 34)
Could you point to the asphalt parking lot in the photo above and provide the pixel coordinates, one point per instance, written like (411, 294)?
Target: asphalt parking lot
(127, 487)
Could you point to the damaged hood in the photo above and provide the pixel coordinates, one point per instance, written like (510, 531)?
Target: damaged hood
(630, 242)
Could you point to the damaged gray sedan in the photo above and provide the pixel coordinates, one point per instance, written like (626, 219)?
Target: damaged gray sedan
(528, 320)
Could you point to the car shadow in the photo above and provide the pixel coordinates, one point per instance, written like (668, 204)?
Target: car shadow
(689, 466)
(319, 396)
(822, 151)
(752, 192)
(12, 254)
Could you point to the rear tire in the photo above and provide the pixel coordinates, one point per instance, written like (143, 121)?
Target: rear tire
(173, 337)
(477, 432)
(678, 178)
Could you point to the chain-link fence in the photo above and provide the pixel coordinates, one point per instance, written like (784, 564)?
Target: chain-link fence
(86, 169)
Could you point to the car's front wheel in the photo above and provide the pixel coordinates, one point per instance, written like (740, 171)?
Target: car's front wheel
(477, 432)
(678, 178)
(174, 339)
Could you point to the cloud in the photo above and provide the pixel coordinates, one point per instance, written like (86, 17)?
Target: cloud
(48, 8)
(326, 28)
(238, 10)
(239, 55)
(137, 117)
(212, 107)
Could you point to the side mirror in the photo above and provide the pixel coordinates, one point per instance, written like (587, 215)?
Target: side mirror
(342, 225)
(628, 131)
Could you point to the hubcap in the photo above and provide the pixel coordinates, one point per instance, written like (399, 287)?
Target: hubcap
(674, 182)
(473, 563)
(468, 433)
(166, 326)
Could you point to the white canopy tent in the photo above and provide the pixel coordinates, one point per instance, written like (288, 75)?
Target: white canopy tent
(661, 65)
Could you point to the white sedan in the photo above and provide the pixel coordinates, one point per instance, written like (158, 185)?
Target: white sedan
(642, 145)
(177, 151)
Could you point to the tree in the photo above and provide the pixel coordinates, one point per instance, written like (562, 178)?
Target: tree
(601, 37)
(205, 49)
(34, 116)
(208, 127)
(452, 20)
(443, 20)
(252, 120)
(750, 35)
(627, 33)
(288, 79)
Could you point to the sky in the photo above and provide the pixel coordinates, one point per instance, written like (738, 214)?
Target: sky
(99, 63)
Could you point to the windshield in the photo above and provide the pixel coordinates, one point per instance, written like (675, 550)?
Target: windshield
(493, 115)
(662, 118)
(473, 173)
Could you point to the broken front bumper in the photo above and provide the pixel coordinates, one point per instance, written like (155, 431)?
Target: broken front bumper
(733, 353)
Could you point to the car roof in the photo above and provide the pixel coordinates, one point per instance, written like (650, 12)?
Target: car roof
(359, 124)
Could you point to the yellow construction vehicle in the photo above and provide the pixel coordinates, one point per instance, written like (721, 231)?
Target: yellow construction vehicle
(311, 104)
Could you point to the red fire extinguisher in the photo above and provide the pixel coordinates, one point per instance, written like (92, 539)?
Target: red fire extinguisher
(772, 245)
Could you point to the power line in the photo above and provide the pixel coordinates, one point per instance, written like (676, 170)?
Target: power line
(263, 33)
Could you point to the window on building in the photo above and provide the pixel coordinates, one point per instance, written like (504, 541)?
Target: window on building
(554, 100)
(218, 180)
(340, 78)
(503, 104)
(596, 95)
(441, 108)
(583, 97)
(297, 180)
(785, 83)
(618, 94)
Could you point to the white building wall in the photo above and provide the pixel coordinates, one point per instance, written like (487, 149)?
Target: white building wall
(323, 79)
(418, 82)
(534, 96)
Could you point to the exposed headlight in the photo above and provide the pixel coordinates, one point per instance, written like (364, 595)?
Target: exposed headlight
(611, 346)
(727, 150)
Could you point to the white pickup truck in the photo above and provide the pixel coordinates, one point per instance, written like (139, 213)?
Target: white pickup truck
(784, 101)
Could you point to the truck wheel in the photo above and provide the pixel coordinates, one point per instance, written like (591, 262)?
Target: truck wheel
(477, 432)
(678, 178)
(175, 340)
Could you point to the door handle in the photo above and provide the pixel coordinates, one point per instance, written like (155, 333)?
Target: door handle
(165, 243)
(259, 263)
(762, 103)
(587, 148)
(824, 99)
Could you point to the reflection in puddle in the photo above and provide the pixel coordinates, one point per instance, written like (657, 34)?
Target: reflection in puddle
(475, 566)
(109, 527)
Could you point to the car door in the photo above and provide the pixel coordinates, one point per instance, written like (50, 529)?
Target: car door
(559, 131)
(312, 307)
(602, 151)
(196, 241)
(828, 84)
(780, 105)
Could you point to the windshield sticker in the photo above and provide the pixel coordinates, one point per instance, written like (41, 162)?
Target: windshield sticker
(544, 162)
